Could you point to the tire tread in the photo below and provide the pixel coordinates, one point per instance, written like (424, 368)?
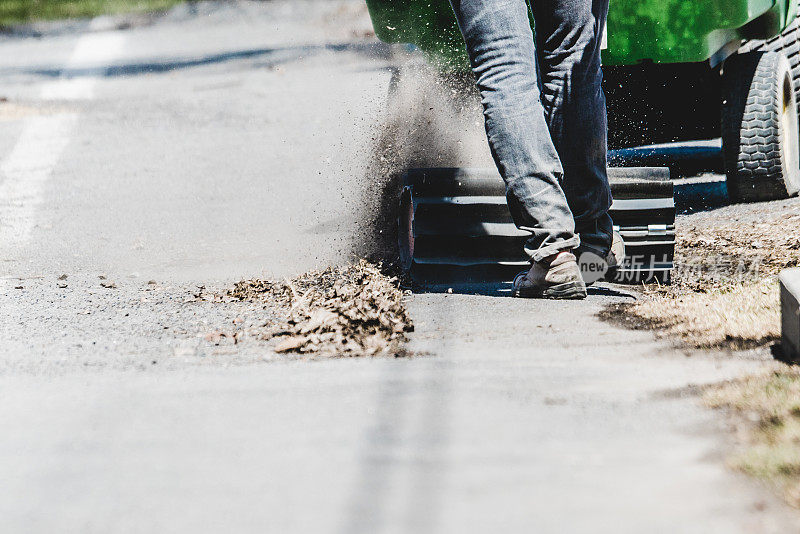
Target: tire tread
(751, 137)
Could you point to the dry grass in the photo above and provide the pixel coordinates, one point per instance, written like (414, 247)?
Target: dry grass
(766, 409)
(725, 295)
(714, 252)
(725, 290)
(737, 316)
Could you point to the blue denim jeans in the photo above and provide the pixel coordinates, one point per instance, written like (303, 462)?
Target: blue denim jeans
(545, 115)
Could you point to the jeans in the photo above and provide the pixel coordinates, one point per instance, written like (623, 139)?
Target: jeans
(545, 115)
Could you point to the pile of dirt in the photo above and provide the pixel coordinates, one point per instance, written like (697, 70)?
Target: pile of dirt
(341, 311)
(724, 291)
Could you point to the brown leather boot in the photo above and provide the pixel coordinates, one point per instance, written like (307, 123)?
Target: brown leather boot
(557, 277)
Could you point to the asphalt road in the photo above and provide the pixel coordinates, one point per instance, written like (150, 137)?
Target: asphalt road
(231, 140)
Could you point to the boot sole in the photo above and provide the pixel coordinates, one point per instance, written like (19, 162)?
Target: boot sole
(567, 291)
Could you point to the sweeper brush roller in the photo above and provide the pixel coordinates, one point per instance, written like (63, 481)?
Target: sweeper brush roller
(454, 225)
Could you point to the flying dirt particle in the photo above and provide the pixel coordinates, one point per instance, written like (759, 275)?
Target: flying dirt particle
(432, 120)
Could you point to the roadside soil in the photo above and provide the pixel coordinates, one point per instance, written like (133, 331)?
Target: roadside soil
(724, 292)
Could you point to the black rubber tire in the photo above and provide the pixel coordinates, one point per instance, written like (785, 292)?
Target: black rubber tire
(760, 127)
(788, 43)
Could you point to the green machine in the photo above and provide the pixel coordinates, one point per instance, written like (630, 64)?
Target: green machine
(661, 31)
(674, 70)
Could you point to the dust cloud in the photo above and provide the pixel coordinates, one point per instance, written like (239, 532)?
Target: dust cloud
(432, 120)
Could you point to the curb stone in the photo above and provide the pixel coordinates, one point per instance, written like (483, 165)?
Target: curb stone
(790, 313)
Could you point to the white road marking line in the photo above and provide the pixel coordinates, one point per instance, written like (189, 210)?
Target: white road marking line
(25, 172)
(30, 164)
(91, 54)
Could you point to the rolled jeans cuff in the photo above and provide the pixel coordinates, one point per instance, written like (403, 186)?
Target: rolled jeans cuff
(548, 250)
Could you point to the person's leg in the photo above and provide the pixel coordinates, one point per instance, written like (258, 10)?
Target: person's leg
(568, 41)
(501, 49)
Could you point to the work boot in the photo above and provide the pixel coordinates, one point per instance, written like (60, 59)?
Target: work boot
(556, 277)
(596, 265)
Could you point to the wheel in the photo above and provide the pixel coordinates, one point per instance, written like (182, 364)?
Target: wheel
(787, 42)
(760, 139)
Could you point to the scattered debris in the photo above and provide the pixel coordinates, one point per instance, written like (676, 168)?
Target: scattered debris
(254, 290)
(733, 251)
(62, 277)
(107, 284)
(290, 344)
(215, 337)
(204, 295)
(341, 311)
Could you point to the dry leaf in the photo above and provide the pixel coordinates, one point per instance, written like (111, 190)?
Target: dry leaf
(292, 343)
(346, 311)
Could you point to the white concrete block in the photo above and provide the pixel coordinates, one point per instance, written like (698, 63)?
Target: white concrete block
(790, 313)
